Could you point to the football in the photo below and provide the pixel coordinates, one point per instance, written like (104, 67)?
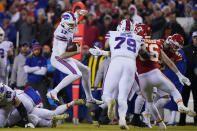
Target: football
(72, 46)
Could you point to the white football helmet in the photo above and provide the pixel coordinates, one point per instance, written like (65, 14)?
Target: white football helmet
(2, 34)
(125, 26)
(68, 21)
(2, 91)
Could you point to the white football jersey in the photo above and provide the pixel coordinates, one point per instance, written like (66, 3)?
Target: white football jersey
(61, 39)
(5, 46)
(8, 97)
(124, 44)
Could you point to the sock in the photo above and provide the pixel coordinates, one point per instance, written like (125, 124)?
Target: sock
(87, 84)
(160, 103)
(154, 111)
(172, 117)
(66, 81)
(139, 102)
(176, 95)
(61, 109)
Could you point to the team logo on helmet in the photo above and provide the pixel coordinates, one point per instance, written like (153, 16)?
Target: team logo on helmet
(1, 89)
(66, 17)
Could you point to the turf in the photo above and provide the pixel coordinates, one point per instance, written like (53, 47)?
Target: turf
(88, 127)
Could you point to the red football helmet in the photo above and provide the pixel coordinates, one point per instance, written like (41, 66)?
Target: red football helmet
(143, 30)
(175, 42)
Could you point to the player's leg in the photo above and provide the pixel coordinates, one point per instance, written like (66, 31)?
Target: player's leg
(125, 86)
(14, 118)
(139, 102)
(4, 112)
(86, 82)
(147, 84)
(110, 86)
(66, 66)
(48, 114)
(170, 88)
(164, 98)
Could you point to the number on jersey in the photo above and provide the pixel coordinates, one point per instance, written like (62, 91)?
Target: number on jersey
(153, 50)
(1, 53)
(130, 42)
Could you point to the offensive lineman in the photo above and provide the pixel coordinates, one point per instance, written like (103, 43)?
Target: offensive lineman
(124, 48)
(6, 49)
(61, 59)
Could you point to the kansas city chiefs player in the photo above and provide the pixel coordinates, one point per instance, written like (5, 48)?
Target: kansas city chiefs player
(150, 75)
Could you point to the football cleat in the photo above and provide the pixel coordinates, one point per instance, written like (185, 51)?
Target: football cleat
(55, 118)
(183, 109)
(123, 124)
(79, 102)
(92, 102)
(111, 108)
(162, 126)
(53, 95)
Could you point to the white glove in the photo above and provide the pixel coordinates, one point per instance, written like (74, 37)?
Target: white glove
(78, 48)
(184, 80)
(29, 125)
(97, 52)
(83, 12)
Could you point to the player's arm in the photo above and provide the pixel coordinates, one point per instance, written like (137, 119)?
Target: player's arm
(21, 109)
(98, 52)
(99, 75)
(73, 53)
(173, 67)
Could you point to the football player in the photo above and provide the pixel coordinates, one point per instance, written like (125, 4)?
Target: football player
(6, 49)
(37, 115)
(150, 76)
(62, 59)
(124, 48)
(9, 102)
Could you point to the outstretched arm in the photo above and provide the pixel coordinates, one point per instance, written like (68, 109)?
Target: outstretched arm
(173, 67)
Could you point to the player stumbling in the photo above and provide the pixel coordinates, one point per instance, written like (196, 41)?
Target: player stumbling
(61, 58)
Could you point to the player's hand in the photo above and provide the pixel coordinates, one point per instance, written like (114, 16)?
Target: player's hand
(83, 12)
(78, 47)
(95, 51)
(183, 80)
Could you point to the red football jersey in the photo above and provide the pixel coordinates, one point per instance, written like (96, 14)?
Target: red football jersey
(175, 57)
(154, 49)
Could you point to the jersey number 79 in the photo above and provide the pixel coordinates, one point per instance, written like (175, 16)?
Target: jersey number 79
(130, 42)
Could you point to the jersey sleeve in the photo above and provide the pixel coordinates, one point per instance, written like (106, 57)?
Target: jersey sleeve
(107, 35)
(9, 45)
(44, 62)
(27, 62)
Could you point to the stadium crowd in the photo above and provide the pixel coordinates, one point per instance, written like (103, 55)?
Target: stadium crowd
(36, 20)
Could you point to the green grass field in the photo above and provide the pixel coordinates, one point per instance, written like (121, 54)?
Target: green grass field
(88, 127)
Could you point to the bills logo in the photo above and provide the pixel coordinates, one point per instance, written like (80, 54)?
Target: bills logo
(2, 89)
(66, 17)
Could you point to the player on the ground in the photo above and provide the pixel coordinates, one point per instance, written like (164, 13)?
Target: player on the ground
(124, 48)
(38, 116)
(61, 59)
(6, 49)
(8, 102)
(150, 76)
